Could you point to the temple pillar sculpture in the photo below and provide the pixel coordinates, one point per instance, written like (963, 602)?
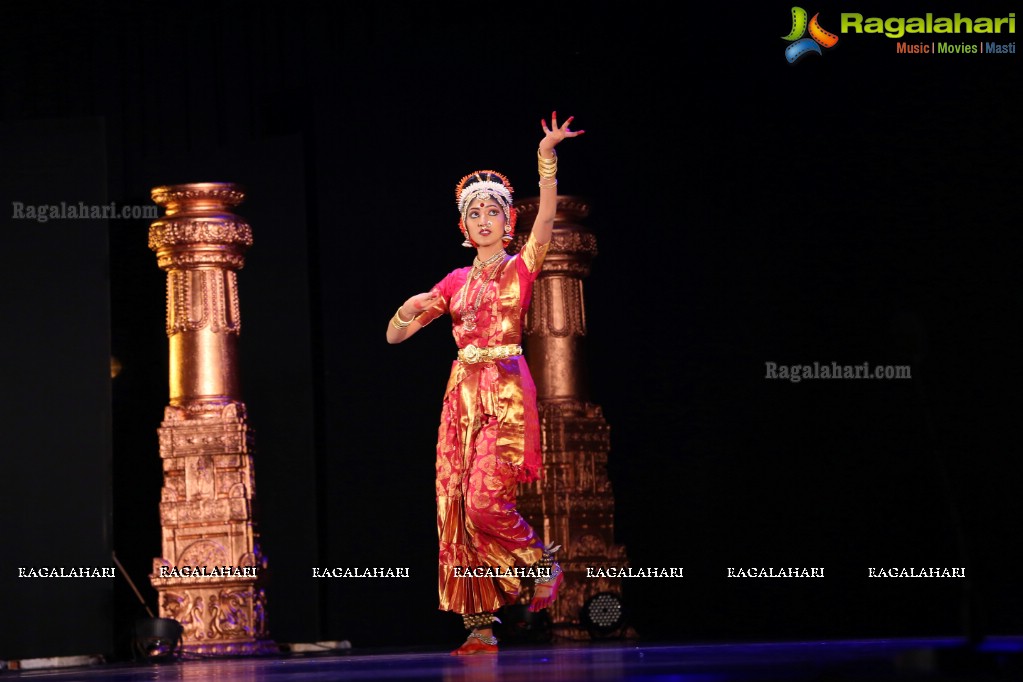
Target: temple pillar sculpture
(211, 574)
(574, 503)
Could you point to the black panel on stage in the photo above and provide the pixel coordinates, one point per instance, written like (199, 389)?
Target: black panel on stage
(55, 465)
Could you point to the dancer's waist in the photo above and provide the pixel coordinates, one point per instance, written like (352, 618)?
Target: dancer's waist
(472, 353)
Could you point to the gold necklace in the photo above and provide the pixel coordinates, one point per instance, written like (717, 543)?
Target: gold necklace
(479, 266)
(469, 314)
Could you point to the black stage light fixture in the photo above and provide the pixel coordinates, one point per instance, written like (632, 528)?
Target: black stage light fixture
(157, 639)
(153, 639)
(603, 614)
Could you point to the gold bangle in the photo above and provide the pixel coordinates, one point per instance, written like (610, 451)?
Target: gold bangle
(547, 168)
(550, 186)
(399, 323)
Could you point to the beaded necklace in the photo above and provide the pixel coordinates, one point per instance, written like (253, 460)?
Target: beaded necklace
(478, 268)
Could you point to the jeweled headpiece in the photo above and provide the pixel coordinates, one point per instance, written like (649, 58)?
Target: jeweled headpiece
(480, 186)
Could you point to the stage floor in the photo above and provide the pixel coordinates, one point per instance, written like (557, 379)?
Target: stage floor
(820, 661)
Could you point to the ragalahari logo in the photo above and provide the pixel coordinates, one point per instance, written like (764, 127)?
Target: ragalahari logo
(801, 45)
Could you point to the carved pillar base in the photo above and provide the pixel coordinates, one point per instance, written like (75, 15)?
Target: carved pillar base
(575, 503)
(211, 575)
(218, 616)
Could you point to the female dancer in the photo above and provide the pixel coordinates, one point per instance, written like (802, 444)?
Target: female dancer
(489, 436)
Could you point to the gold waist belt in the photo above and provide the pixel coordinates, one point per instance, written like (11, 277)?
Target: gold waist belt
(472, 354)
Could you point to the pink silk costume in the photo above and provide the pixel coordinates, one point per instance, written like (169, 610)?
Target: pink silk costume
(488, 440)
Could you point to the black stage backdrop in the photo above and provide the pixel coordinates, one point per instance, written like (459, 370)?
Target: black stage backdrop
(856, 206)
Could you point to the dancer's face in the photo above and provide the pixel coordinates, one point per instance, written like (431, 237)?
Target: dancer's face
(485, 222)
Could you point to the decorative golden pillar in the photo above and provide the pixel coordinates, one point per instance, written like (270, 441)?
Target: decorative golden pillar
(211, 575)
(574, 504)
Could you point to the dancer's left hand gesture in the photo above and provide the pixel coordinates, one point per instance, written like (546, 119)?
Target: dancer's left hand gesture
(554, 133)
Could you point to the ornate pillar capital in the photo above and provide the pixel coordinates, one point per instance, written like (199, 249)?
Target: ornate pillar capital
(198, 229)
